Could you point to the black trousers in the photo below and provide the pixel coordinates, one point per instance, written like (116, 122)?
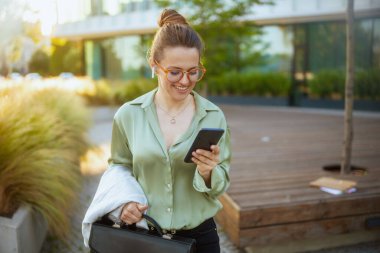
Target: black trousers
(206, 236)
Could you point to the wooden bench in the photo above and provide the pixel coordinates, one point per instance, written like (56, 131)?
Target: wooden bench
(276, 153)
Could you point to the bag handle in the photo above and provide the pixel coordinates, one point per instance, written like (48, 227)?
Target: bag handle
(154, 224)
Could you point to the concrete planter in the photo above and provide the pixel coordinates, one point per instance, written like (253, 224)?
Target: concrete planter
(23, 233)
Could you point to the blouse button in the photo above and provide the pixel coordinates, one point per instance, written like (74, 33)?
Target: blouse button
(168, 209)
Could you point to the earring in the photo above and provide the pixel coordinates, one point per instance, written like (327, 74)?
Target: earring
(153, 70)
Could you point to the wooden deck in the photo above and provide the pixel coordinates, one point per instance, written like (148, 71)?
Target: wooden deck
(276, 153)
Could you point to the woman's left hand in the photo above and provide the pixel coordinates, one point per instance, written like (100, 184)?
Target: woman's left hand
(206, 161)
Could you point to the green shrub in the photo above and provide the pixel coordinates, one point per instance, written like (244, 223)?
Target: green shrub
(327, 83)
(41, 139)
(133, 89)
(102, 93)
(106, 92)
(367, 84)
(330, 83)
(253, 83)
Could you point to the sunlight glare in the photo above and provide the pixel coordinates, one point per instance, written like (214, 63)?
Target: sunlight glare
(43, 11)
(94, 162)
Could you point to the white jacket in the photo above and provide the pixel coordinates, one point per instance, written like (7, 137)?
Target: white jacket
(116, 187)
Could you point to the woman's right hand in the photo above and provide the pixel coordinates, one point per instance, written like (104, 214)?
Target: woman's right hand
(132, 212)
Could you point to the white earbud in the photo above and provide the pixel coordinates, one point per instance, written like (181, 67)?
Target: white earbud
(153, 70)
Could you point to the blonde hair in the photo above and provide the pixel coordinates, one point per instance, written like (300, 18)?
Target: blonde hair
(174, 31)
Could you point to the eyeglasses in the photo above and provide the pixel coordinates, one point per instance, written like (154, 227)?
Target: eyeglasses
(175, 74)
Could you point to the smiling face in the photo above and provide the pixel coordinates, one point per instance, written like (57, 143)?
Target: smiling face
(177, 58)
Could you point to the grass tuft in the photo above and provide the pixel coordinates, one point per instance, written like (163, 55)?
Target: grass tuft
(42, 139)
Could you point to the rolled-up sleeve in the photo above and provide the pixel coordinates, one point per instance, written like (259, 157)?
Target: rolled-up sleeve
(220, 174)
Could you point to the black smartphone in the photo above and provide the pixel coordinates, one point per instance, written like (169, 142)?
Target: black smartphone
(205, 138)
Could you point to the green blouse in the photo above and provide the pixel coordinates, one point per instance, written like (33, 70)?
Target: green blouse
(177, 195)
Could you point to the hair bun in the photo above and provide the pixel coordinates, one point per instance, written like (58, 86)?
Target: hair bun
(169, 16)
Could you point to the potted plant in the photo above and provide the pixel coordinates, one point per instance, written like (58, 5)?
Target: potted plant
(41, 139)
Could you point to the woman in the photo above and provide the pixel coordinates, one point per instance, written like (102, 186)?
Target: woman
(152, 134)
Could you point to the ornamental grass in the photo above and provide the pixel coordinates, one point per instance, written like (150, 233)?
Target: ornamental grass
(42, 136)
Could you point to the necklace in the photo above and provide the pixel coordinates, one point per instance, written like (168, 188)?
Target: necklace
(173, 117)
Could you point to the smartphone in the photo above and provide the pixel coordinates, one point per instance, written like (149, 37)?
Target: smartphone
(205, 138)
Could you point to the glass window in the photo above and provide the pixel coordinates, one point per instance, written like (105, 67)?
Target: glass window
(275, 45)
(376, 44)
(327, 48)
(327, 45)
(124, 57)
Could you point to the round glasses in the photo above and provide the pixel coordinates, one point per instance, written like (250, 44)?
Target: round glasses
(176, 74)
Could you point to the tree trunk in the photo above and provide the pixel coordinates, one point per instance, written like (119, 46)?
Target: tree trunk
(350, 75)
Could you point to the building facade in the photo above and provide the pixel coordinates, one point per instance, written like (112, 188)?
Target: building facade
(298, 37)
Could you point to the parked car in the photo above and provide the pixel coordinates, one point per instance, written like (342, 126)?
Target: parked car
(16, 76)
(66, 75)
(33, 76)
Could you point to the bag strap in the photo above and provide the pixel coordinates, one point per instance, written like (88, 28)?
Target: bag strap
(154, 224)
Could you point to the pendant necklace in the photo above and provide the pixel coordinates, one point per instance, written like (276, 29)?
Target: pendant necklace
(173, 117)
